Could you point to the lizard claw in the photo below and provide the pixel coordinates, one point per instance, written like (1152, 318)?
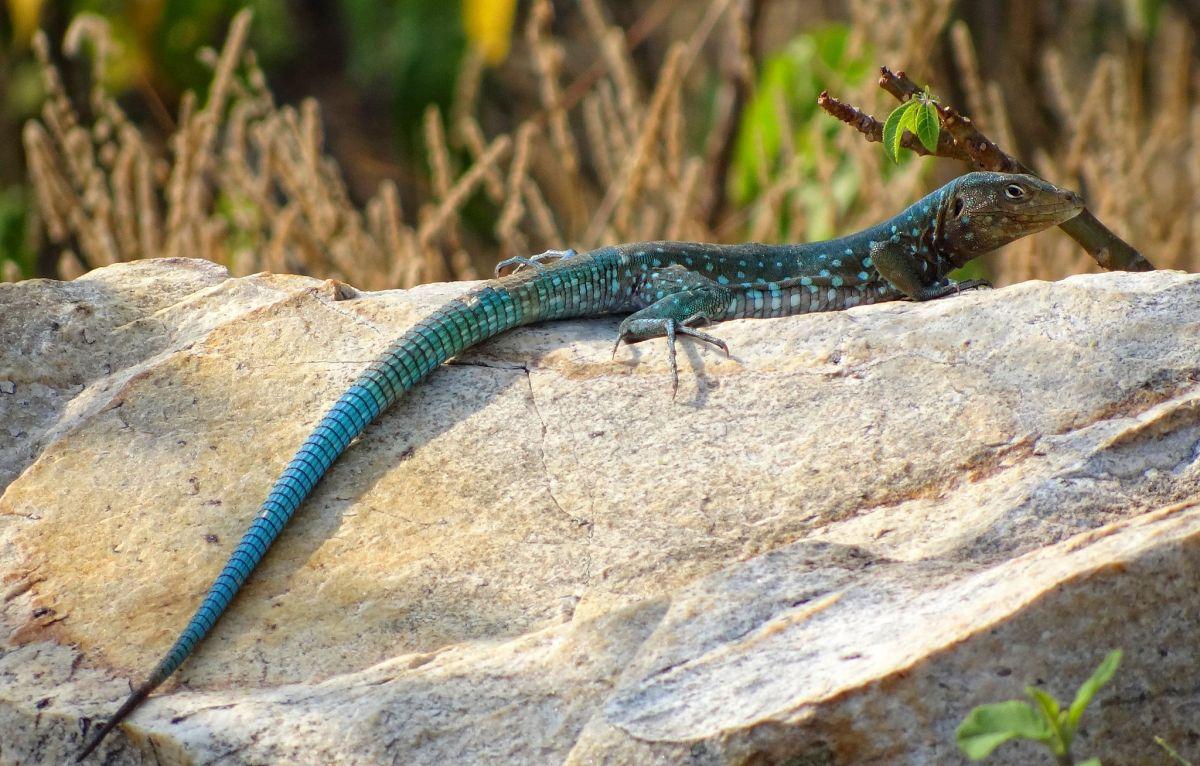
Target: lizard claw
(972, 284)
(519, 262)
(947, 287)
(714, 340)
(671, 358)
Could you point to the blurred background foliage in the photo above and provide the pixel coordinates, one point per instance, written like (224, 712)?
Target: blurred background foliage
(789, 82)
(390, 59)
(770, 165)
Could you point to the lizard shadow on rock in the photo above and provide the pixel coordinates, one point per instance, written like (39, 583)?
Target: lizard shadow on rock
(693, 382)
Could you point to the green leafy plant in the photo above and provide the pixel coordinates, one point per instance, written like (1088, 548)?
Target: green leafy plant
(783, 112)
(988, 726)
(918, 116)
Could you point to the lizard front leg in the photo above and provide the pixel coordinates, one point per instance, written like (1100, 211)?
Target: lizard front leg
(901, 265)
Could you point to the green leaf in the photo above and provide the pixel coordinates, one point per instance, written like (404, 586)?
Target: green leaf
(1103, 674)
(988, 726)
(1049, 706)
(1051, 712)
(1090, 762)
(893, 129)
(927, 127)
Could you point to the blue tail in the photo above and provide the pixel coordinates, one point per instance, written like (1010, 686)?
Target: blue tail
(455, 327)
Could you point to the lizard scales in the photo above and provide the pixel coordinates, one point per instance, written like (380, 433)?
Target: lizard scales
(668, 286)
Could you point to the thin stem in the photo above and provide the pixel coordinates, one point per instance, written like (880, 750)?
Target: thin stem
(961, 140)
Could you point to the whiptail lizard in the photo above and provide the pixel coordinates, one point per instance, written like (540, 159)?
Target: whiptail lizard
(669, 287)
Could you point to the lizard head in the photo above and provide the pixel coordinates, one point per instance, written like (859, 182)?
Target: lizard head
(983, 211)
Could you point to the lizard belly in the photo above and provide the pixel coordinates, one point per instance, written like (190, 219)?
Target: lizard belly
(762, 301)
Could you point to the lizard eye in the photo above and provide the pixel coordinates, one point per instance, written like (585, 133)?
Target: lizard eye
(959, 205)
(1012, 191)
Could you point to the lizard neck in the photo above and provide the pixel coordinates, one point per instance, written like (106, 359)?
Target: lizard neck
(918, 232)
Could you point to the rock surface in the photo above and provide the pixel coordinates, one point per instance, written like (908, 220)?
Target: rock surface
(824, 551)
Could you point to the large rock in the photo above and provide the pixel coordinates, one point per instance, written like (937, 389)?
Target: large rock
(824, 551)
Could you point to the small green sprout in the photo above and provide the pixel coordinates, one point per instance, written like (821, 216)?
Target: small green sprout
(1176, 757)
(919, 116)
(988, 726)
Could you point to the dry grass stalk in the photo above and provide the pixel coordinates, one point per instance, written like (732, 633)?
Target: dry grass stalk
(466, 94)
(541, 215)
(246, 182)
(512, 240)
(597, 131)
(473, 139)
(548, 56)
(616, 57)
(439, 153)
(968, 65)
(637, 165)
(445, 213)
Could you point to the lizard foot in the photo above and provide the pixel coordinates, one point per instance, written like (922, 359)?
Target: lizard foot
(936, 291)
(640, 329)
(538, 261)
(971, 284)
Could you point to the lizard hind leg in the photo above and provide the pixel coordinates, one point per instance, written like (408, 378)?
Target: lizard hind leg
(538, 261)
(673, 315)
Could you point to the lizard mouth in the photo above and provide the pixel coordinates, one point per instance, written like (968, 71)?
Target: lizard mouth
(1050, 213)
(1049, 216)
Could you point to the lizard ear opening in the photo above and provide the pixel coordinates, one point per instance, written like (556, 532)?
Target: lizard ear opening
(957, 211)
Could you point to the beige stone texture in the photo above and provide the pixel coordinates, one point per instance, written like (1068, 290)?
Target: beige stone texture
(825, 550)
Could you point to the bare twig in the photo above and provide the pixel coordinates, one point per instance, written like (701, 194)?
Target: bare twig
(980, 150)
(872, 129)
(1109, 250)
(961, 140)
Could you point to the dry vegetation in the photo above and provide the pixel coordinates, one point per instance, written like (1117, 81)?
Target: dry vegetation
(246, 183)
(1133, 151)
